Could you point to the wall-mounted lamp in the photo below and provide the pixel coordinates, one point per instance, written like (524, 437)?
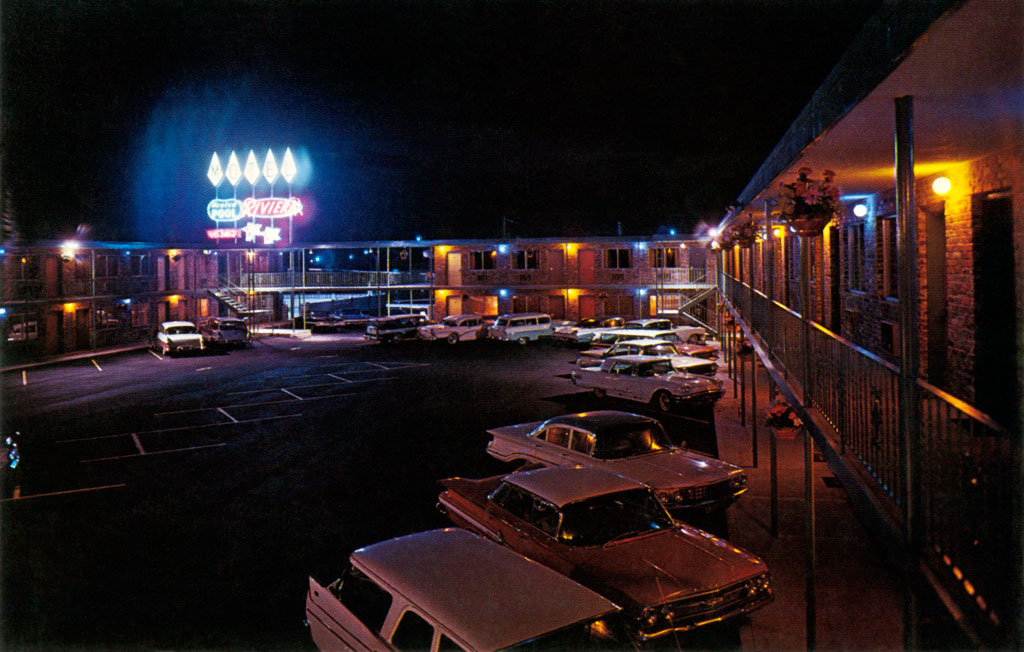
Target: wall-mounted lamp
(860, 210)
(941, 185)
(502, 293)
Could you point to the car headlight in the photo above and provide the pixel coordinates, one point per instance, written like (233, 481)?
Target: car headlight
(738, 481)
(760, 585)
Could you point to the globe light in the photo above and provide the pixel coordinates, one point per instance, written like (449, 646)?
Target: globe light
(941, 185)
(215, 173)
(860, 210)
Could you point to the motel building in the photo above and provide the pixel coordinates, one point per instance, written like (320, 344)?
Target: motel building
(893, 324)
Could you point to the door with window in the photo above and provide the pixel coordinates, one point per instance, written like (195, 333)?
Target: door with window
(455, 268)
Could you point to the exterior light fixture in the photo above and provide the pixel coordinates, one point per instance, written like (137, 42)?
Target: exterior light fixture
(503, 248)
(779, 231)
(642, 292)
(503, 293)
(3, 312)
(419, 238)
(941, 185)
(672, 232)
(860, 210)
(126, 302)
(68, 250)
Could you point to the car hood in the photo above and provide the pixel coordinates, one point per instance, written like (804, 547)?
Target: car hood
(518, 430)
(673, 469)
(668, 565)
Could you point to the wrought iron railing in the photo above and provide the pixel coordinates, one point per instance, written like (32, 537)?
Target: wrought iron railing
(968, 463)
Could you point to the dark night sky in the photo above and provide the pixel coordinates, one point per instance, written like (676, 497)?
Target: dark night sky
(432, 118)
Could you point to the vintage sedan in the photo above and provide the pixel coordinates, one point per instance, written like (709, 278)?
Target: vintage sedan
(175, 337)
(689, 334)
(612, 535)
(449, 590)
(681, 361)
(585, 330)
(455, 328)
(648, 379)
(631, 445)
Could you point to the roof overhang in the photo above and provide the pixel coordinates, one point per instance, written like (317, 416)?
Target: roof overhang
(965, 72)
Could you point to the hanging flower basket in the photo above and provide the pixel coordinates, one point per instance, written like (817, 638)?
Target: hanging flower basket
(807, 205)
(744, 234)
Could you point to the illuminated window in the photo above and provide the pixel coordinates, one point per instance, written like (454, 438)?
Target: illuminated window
(889, 255)
(855, 257)
(529, 259)
(139, 265)
(668, 257)
(616, 258)
(140, 314)
(482, 259)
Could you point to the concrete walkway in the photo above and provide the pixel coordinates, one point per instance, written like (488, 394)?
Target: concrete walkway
(859, 598)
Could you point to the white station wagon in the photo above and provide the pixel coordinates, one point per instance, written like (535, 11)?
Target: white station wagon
(648, 379)
(680, 361)
(455, 328)
(521, 327)
(660, 327)
(450, 590)
(632, 445)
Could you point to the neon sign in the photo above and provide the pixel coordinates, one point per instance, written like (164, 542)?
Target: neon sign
(223, 210)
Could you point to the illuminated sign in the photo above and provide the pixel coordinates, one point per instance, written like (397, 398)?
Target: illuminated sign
(252, 230)
(225, 210)
(223, 234)
(272, 207)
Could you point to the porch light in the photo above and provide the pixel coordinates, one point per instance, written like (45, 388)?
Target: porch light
(503, 293)
(68, 249)
(778, 231)
(860, 210)
(941, 185)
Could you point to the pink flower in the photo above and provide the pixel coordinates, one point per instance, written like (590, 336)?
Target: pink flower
(811, 194)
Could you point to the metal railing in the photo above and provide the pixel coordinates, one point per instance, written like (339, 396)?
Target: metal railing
(968, 463)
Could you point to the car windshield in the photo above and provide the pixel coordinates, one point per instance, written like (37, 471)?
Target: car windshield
(232, 326)
(599, 520)
(589, 322)
(705, 368)
(661, 349)
(450, 321)
(181, 330)
(656, 368)
(629, 441)
(609, 338)
(500, 321)
(605, 633)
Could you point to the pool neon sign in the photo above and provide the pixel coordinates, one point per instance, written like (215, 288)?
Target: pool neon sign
(232, 210)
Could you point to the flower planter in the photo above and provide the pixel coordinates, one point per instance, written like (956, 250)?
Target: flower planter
(810, 224)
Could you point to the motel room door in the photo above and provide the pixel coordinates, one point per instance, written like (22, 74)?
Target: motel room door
(585, 259)
(455, 268)
(586, 306)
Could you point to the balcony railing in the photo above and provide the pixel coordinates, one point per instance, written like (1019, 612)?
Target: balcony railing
(967, 478)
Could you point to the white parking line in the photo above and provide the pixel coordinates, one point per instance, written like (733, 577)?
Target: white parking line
(173, 450)
(204, 368)
(321, 357)
(340, 378)
(244, 405)
(155, 355)
(96, 363)
(225, 413)
(291, 394)
(177, 428)
(63, 493)
(24, 378)
(138, 444)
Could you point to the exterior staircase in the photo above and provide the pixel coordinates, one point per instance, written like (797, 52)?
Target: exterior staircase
(234, 298)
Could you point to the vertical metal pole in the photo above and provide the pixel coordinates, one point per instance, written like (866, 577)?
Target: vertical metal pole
(303, 288)
(773, 452)
(742, 368)
(908, 392)
(809, 534)
(92, 301)
(753, 406)
(291, 273)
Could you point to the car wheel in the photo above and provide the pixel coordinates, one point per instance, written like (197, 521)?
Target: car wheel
(600, 393)
(663, 401)
(522, 341)
(453, 338)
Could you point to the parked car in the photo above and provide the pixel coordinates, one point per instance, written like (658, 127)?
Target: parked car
(614, 535)
(225, 331)
(351, 319)
(521, 327)
(173, 337)
(455, 328)
(614, 336)
(451, 589)
(690, 334)
(631, 445)
(392, 329)
(680, 362)
(585, 330)
(647, 379)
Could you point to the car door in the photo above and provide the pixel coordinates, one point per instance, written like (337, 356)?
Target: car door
(618, 379)
(520, 517)
(334, 627)
(552, 444)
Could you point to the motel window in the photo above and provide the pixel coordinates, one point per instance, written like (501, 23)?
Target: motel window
(27, 268)
(482, 259)
(616, 258)
(140, 314)
(667, 257)
(106, 266)
(21, 331)
(529, 259)
(889, 256)
(855, 257)
(140, 265)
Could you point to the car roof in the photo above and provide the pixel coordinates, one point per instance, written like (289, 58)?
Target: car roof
(168, 324)
(488, 595)
(599, 420)
(561, 485)
(467, 315)
(645, 341)
(517, 315)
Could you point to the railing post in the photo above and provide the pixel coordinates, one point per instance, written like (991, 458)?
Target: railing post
(909, 395)
(809, 516)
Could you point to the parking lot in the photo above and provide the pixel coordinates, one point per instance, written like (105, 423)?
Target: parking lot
(182, 502)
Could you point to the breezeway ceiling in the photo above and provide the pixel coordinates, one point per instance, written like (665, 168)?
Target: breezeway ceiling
(966, 75)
